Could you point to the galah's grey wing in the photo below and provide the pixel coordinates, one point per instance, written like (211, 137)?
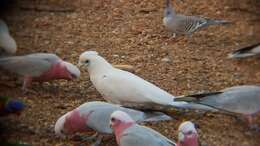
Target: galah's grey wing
(139, 136)
(245, 52)
(238, 99)
(25, 66)
(101, 111)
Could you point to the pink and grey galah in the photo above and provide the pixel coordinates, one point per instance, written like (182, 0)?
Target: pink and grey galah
(187, 134)
(129, 133)
(95, 116)
(39, 67)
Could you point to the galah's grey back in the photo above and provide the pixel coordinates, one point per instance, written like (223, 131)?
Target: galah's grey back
(238, 99)
(186, 25)
(99, 118)
(249, 51)
(7, 43)
(137, 135)
(33, 64)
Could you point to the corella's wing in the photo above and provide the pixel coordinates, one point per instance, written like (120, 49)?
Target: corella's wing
(140, 136)
(126, 88)
(29, 65)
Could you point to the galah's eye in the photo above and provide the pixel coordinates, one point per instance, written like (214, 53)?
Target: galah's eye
(113, 119)
(189, 133)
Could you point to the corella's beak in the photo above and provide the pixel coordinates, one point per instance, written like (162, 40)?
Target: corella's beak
(79, 65)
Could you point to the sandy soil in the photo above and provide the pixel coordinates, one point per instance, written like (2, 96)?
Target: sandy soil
(131, 32)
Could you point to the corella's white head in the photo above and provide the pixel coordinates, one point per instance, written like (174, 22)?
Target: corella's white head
(7, 42)
(187, 134)
(118, 118)
(93, 62)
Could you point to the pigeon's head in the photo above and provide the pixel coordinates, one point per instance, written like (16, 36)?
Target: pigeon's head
(71, 123)
(168, 11)
(187, 134)
(118, 118)
(92, 61)
(72, 70)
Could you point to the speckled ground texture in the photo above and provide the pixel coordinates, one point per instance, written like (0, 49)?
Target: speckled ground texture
(131, 32)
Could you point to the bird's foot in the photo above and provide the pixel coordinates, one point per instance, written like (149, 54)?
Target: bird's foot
(28, 91)
(98, 142)
(90, 138)
(255, 127)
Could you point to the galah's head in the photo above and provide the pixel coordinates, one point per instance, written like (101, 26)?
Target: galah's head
(187, 134)
(71, 71)
(7, 42)
(92, 61)
(62, 70)
(14, 106)
(71, 123)
(119, 118)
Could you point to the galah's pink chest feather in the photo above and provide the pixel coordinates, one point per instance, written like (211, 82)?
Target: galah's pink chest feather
(57, 71)
(76, 122)
(120, 129)
(191, 140)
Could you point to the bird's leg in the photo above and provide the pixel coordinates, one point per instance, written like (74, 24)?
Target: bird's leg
(90, 138)
(174, 35)
(98, 142)
(252, 125)
(26, 83)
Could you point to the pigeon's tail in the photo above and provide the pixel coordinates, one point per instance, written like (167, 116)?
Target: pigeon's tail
(216, 22)
(245, 52)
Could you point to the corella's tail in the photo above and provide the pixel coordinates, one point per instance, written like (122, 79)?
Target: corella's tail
(192, 106)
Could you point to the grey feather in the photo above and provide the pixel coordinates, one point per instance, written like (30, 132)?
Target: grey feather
(137, 135)
(249, 51)
(101, 111)
(238, 99)
(29, 65)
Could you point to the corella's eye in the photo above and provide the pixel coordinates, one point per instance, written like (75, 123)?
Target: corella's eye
(87, 61)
